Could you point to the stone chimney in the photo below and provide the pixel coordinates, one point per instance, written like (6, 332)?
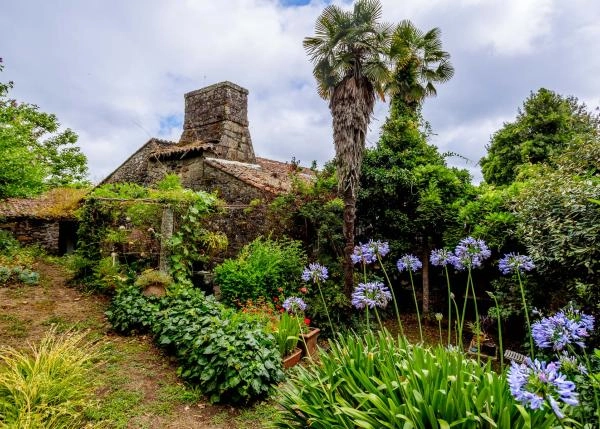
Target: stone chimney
(218, 114)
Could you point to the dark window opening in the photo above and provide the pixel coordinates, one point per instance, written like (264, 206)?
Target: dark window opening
(67, 237)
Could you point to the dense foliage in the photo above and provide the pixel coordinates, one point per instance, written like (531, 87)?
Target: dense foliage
(35, 154)
(120, 231)
(229, 355)
(265, 268)
(559, 223)
(545, 126)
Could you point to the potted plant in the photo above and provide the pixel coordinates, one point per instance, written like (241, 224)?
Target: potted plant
(287, 336)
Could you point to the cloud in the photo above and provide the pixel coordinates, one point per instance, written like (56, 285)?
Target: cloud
(115, 72)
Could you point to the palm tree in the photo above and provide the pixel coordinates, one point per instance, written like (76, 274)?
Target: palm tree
(419, 62)
(348, 51)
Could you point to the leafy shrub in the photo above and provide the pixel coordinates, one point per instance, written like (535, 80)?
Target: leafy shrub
(50, 387)
(378, 382)
(5, 273)
(29, 277)
(108, 275)
(261, 268)
(233, 359)
(8, 243)
(24, 275)
(131, 311)
(228, 354)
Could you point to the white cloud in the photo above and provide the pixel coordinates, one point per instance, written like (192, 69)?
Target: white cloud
(114, 70)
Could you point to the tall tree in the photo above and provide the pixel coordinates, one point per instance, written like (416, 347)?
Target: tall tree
(348, 53)
(35, 156)
(419, 63)
(407, 193)
(544, 127)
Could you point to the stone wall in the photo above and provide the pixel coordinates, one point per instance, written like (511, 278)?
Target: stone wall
(242, 224)
(46, 233)
(190, 170)
(135, 168)
(219, 114)
(229, 188)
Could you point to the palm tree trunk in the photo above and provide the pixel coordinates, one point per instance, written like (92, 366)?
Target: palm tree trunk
(348, 229)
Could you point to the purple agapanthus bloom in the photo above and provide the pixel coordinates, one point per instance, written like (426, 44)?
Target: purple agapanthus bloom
(511, 263)
(441, 257)
(363, 254)
(568, 326)
(570, 364)
(315, 272)
(470, 253)
(378, 248)
(536, 383)
(374, 294)
(294, 305)
(409, 263)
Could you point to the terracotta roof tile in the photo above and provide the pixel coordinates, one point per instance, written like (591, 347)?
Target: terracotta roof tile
(272, 176)
(167, 150)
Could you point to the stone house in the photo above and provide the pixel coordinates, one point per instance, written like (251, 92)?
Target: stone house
(215, 154)
(48, 220)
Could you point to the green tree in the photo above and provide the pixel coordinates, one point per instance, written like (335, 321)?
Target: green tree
(348, 53)
(35, 156)
(559, 223)
(419, 63)
(407, 193)
(544, 127)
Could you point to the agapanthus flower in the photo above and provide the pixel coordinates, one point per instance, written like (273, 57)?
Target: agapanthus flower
(470, 253)
(511, 263)
(378, 247)
(441, 257)
(294, 305)
(536, 384)
(363, 254)
(409, 263)
(569, 364)
(568, 326)
(373, 294)
(315, 272)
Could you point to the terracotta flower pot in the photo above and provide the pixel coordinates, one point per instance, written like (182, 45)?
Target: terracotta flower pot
(293, 358)
(308, 341)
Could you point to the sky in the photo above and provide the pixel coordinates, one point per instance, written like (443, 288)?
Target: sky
(116, 71)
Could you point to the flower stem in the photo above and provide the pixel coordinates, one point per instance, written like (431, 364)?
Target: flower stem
(477, 321)
(464, 310)
(325, 307)
(526, 311)
(449, 306)
(378, 319)
(368, 327)
(457, 326)
(416, 303)
(440, 329)
(499, 329)
(393, 295)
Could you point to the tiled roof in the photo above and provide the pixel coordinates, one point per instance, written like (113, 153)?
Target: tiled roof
(59, 203)
(166, 150)
(272, 176)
